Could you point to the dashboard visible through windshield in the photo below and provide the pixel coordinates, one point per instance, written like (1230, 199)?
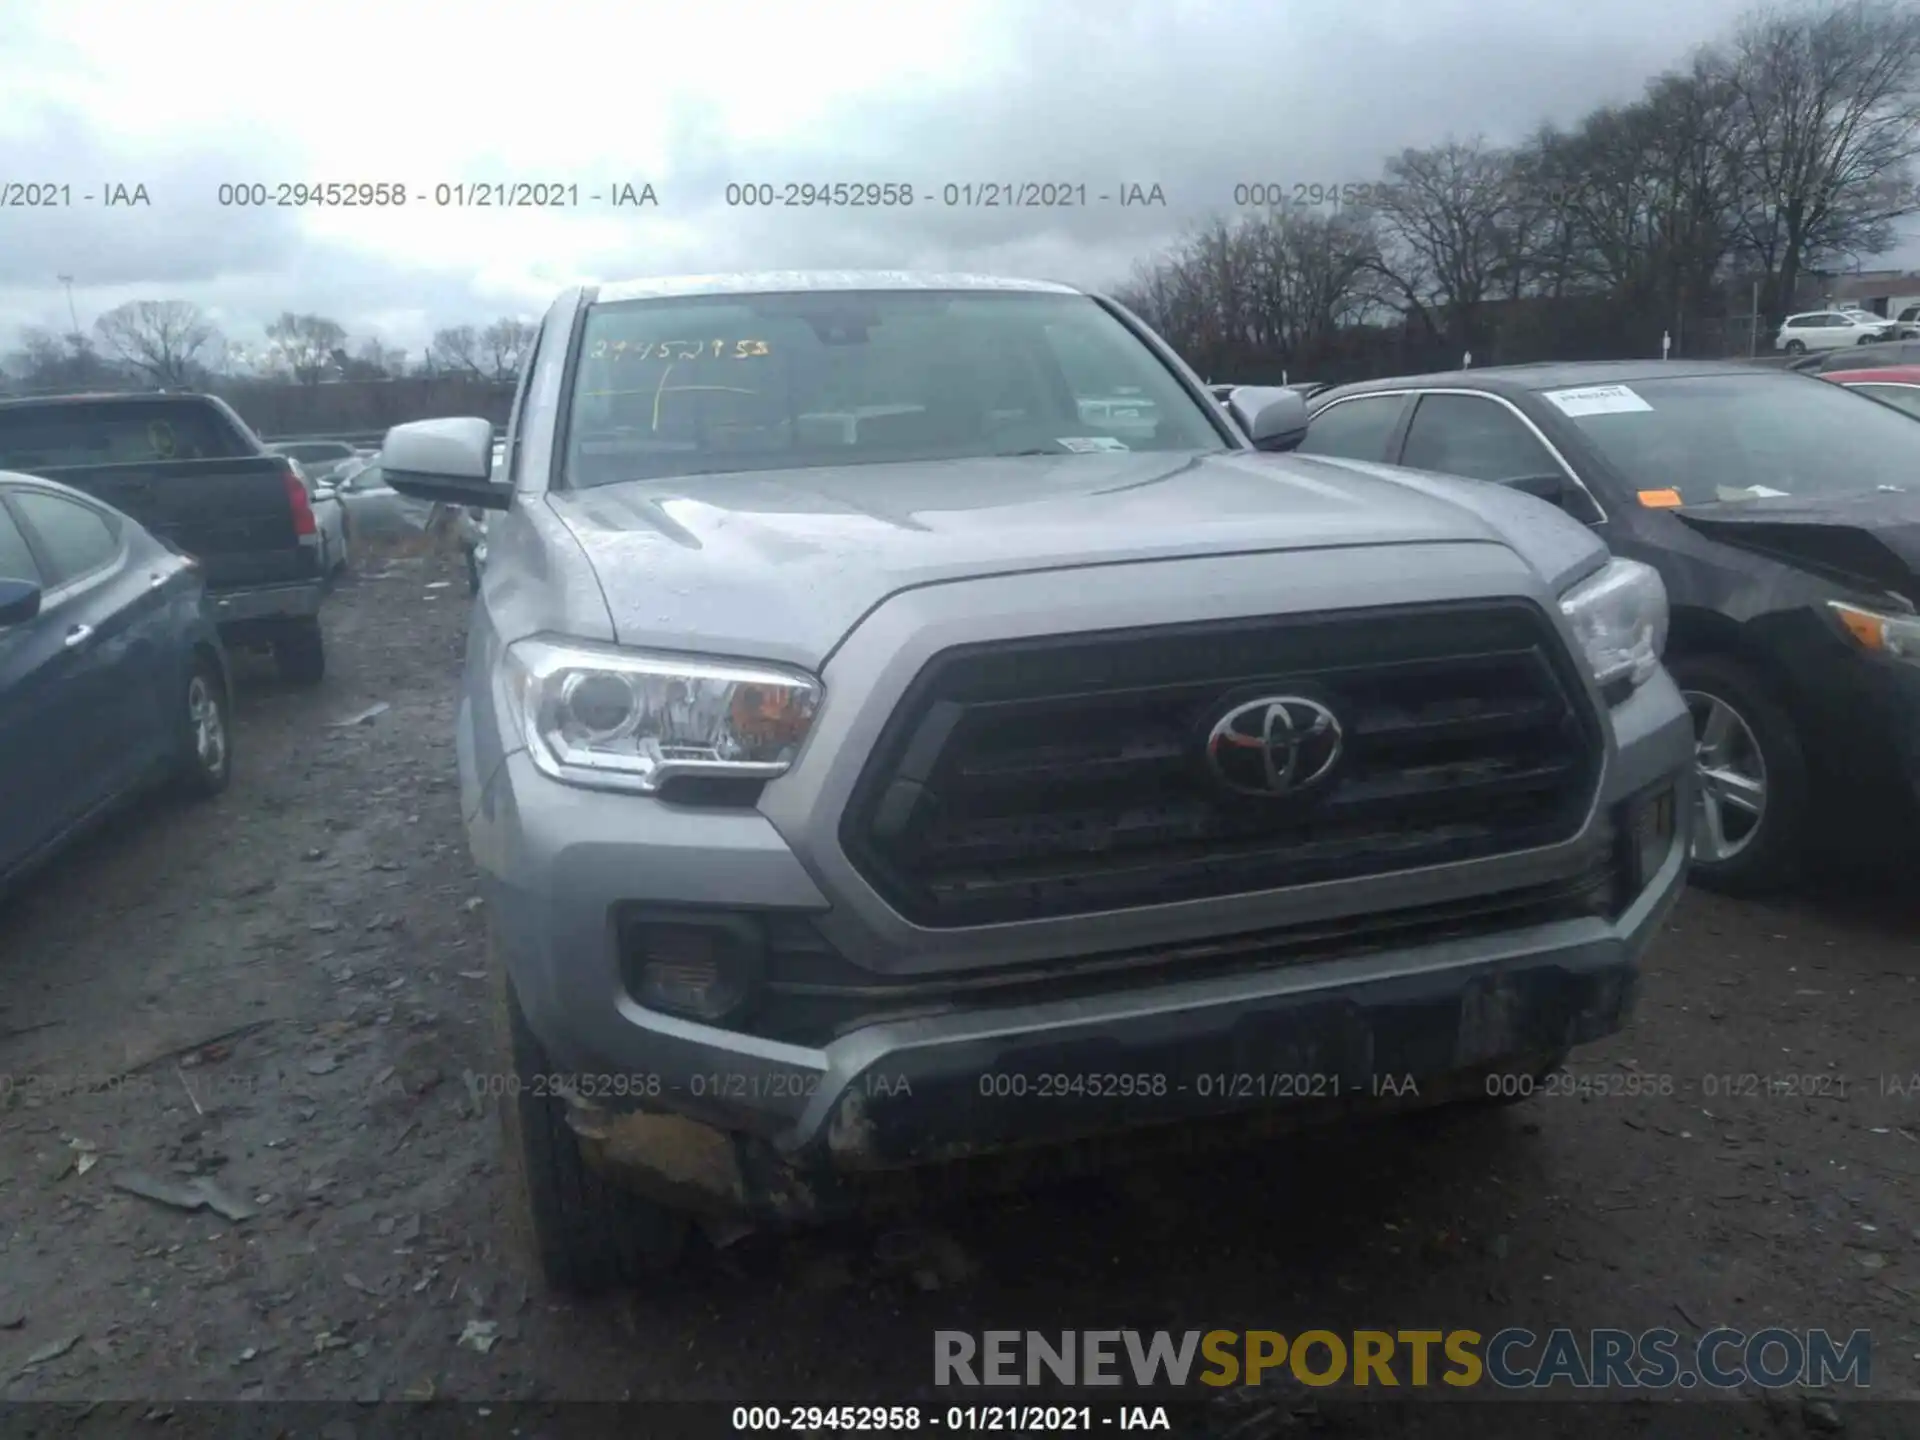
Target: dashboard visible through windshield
(1729, 439)
(734, 383)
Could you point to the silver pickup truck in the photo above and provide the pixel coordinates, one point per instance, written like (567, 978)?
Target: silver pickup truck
(970, 791)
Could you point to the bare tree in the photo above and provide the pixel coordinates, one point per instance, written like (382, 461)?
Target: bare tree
(1248, 300)
(1641, 201)
(457, 348)
(377, 360)
(303, 345)
(50, 361)
(1448, 213)
(506, 344)
(1827, 102)
(162, 339)
(1312, 277)
(233, 360)
(1789, 147)
(1544, 238)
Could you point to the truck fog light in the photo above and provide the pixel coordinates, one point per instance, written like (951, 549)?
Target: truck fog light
(704, 967)
(1648, 831)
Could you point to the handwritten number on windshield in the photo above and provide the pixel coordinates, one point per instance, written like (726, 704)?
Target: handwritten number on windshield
(678, 350)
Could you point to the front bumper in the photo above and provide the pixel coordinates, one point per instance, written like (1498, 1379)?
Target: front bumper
(1080, 1083)
(733, 1124)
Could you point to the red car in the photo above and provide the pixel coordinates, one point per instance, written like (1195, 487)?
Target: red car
(1897, 385)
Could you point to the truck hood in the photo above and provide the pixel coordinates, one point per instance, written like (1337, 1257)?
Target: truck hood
(782, 564)
(1870, 539)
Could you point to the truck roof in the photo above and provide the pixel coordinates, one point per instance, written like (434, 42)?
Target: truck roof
(92, 397)
(775, 282)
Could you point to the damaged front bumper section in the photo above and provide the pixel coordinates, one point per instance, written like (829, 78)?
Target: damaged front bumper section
(955, 1106)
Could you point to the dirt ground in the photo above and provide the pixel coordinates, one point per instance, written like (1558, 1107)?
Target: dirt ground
(279, 996)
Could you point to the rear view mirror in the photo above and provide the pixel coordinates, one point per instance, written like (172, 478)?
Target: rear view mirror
(19, 601)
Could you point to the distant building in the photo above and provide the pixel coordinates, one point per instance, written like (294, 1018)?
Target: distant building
(1883, 292)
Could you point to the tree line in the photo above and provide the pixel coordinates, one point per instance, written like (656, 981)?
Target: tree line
(174, 344)
(1757, 171)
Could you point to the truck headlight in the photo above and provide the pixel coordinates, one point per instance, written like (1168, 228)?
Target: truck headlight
(1620, 617)
(615, 719)
(1897, 636)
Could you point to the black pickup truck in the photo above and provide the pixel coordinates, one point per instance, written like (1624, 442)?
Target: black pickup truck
(190, 470)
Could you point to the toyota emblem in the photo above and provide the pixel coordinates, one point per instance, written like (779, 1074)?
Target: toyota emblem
(1276, 745)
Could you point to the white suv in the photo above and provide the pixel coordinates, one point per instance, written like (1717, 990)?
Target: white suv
(1829, 330)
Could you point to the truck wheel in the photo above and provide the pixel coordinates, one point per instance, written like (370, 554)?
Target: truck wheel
(205, 746)
(1750, 777)
(584, 1232)
(300, 654)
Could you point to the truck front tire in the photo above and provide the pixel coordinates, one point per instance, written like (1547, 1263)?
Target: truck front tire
(300, 653)
(584, 1232)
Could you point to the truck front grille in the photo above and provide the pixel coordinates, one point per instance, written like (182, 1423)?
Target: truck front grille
(1064, 775)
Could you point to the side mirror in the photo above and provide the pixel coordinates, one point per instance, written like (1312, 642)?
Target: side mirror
(19, 601)
(444, 460)
(1280, 423)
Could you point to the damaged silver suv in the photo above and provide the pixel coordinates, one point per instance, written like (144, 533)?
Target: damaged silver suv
(887, 768)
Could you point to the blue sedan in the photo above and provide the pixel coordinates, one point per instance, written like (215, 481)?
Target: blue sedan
(112, 675)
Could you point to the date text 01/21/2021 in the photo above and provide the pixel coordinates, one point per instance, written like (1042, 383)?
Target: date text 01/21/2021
(61, 195)
(1207, 1085)
(454, 195)
(991, 1085)
(971, 195)
(1013, 1419)
(710, 1085)
(1360, 194)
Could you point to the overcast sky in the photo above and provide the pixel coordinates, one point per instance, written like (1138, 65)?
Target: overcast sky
(1192, 95)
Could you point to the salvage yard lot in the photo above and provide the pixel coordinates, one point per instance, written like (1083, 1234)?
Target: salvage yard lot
(284, 997)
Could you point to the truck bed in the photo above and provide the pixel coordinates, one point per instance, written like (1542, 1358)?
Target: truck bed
(230, 515)
(185, 466)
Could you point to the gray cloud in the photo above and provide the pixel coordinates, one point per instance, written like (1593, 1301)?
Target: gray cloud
(1192, 97)
(172, 242)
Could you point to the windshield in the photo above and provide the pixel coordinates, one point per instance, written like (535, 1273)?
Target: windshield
(756, 382)
(1748, 437)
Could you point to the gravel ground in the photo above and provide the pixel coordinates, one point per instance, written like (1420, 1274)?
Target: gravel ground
(283, 992)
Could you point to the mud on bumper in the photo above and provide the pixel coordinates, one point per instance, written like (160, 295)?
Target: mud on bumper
(943, 1108)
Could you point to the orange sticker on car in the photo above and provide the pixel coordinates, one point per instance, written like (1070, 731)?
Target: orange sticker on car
(1660, 499)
